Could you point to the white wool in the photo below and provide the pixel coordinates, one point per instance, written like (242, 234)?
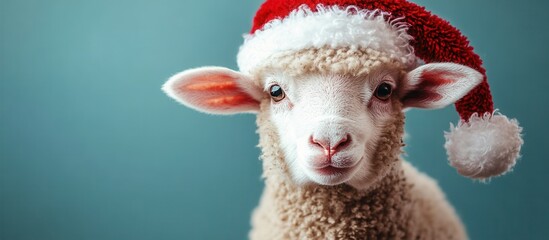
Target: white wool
(484, 146)
(334, 27)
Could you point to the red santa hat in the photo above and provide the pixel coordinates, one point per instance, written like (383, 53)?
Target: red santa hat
(483, 144)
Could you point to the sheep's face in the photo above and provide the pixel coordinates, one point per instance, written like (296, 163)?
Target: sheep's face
(329, 125)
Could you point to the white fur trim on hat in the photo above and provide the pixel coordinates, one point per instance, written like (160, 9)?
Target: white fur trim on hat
(335, 27)
(484, 146)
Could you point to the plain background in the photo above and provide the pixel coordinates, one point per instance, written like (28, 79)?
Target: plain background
(90, 148)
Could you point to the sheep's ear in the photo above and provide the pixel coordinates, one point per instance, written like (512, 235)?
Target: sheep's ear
(437, 85)
(214, 90)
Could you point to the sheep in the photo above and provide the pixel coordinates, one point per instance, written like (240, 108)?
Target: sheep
(330, 119)
(385, 197)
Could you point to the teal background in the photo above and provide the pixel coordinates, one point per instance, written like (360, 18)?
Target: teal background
(90, 148)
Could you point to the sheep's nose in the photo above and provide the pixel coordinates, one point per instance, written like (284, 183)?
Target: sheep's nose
(331, 145)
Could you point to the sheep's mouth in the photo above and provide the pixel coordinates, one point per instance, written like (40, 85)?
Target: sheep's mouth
(333, 173)
(331, 170)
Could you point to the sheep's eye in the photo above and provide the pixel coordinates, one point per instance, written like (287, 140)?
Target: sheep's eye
(383, 91)
(277, 94)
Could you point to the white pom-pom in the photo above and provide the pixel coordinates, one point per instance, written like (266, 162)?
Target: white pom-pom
(484, 146)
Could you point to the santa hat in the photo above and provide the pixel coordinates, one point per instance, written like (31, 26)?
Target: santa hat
(483, 144)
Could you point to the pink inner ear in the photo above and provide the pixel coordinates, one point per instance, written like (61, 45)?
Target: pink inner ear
(217, 92)
(211, 83)
(212, 86)
(236, 100)
(429, 82)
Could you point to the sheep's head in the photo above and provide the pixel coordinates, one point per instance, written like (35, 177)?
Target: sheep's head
(331, 82)
(329, 124)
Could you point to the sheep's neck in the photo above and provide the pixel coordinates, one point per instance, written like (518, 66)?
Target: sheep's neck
(338, 211)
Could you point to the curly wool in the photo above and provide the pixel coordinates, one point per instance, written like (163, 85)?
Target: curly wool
(401, 204)
(343, 61)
